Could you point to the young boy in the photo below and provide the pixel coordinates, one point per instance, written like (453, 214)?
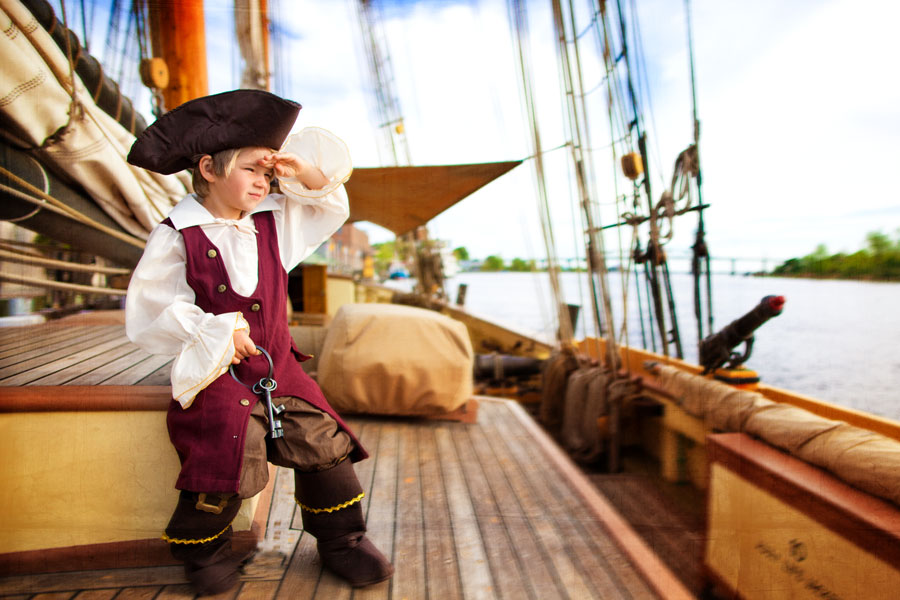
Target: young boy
(211, 287)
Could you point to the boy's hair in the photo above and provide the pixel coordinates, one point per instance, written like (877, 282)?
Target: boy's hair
(223, 164)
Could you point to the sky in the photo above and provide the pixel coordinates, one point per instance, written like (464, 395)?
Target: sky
(798, 108)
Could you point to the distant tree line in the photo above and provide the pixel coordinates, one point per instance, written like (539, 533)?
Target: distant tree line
(496, 263)
(880, 260)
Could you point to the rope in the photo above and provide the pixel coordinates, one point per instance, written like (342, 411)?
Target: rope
(582, 160)
(518, 10)
(23, 196)
(62, 208)
(75, 106)
(60, 285)
(16, 257)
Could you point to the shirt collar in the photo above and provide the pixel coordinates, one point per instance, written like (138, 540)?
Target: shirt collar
(190, 212)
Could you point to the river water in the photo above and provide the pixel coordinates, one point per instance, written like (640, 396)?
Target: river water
(837, 341)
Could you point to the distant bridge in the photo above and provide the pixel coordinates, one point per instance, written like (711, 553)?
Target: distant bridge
(681, 262)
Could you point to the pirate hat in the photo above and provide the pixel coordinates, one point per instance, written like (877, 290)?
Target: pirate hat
(210, 124)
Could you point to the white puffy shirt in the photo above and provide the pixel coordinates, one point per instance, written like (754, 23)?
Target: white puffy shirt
(160, 314)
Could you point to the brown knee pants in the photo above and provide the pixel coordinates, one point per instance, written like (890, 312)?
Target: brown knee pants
(312, 442)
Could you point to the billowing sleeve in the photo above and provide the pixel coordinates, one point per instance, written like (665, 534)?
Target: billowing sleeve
(161, 318)
(309, 217)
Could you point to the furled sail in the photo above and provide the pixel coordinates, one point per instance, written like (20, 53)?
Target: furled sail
(46, 109)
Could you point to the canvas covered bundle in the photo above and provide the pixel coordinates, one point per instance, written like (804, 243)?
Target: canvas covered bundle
(395, 360)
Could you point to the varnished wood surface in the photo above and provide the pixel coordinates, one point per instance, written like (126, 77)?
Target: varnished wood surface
(464, 511)
(62, 353)
(869, 522)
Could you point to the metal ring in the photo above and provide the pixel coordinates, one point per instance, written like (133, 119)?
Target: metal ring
(268, 377)
(266, 384)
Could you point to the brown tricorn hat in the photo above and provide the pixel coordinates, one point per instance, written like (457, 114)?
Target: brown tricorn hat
(210, 124)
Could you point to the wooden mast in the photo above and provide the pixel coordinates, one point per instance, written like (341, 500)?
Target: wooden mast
(178, 34)
(251, 25)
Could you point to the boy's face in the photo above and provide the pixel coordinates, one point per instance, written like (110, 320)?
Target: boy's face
(241, 190)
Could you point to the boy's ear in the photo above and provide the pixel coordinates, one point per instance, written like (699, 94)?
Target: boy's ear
(206, 168)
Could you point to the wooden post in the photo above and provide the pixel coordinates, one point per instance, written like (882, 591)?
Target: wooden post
(461, 294)
(179, 37)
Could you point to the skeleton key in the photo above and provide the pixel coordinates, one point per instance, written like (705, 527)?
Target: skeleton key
(265, 387)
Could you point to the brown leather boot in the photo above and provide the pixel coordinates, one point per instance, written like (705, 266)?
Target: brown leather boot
(202, 541)
(330, 503)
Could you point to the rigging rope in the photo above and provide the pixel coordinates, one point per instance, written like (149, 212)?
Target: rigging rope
(580, 132)
(75, 107)
(518, 15)
(700, 265)
(60, 285)
(30, 259)
(644, 84)
(41, 198)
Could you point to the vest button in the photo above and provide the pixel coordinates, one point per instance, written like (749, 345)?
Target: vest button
(212, 253)
(222, 287)
(255, 307)
(245, 402)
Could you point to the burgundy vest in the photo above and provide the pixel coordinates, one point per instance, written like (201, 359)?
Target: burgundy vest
(209, 434)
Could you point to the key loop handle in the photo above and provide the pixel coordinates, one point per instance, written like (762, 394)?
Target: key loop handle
(260, 384)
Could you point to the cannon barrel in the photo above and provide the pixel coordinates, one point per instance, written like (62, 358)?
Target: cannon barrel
(716, 349)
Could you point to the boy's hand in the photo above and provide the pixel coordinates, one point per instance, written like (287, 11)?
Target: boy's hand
(287, 164)
(243, 346)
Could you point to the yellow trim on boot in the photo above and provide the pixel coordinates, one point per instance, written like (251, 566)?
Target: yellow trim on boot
(316, 511)
(172, 540)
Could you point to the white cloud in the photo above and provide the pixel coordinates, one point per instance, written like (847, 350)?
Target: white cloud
(797, 105)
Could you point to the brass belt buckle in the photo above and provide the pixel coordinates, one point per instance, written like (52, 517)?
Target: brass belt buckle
(215, 509)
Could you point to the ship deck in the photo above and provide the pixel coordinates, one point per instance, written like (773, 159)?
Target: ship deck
(491, 509)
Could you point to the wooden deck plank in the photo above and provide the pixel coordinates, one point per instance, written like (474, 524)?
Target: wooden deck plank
(629, 549)
(229, 595)
(138, 371)
(139, 593)
(441, 565)
(29, 339)
(110, 369)
(67, 374)
(177, 592)
(8, 333)
(43, 354)
(46, 373)
(508, 573)
(381, 511)
(96, 594)
(258, 590)
(50, 352)
(53, 596)
(474, 573)
(301, 577)
(161, 376)
(541, 581)
(555, 542)
(41, 340)
(584, 559)
(281, 538)
(91, 580)
(409, 541)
